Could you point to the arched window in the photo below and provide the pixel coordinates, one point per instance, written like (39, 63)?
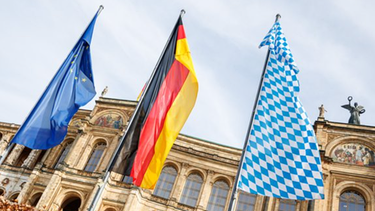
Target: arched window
(287, 205)
(218, 197)
(246, 201)
(165, 182)
(64, 153)
(71, 204)
(35, 199)
(191, 190)
(95, 157)
(13, 196)
(352, 201)
(2, 192)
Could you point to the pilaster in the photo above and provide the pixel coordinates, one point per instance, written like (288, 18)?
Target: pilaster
(14, 154)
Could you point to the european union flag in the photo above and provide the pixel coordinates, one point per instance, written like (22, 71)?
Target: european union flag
(71, 88)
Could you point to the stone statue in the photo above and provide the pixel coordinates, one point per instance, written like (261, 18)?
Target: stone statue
(105, 90)
(321, 111)
(355, 111)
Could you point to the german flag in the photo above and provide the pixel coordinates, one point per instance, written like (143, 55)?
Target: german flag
(168, 99)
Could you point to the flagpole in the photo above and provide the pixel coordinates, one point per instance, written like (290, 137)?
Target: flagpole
(118, 149)
(11, 145)
(233, 197)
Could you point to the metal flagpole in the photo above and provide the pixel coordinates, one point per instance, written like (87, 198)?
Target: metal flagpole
(233, 197)
(10, 146)
(119, 147)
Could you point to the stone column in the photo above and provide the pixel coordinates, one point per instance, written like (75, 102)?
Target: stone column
(91, 198)
(75, 155)
(14, 154)
(50, 190)
(206, 191)
(298, 205)
(4, 142)
(28, 187)
(179, 183)
(273, 204)
(31, 159)
(132, 201)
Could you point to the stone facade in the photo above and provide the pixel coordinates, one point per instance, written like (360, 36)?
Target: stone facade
(60, 177)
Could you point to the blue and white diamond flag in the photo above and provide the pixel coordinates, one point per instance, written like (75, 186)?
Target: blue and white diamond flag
(282, 156)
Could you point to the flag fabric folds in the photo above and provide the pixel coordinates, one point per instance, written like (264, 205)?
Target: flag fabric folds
(282, 158)
(167, 102)
(71, 87)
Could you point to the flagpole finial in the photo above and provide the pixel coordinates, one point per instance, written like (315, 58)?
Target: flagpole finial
(278, 16)
(182, 13)
(101, 7)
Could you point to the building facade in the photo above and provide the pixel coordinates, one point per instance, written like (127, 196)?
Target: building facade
(198, 175)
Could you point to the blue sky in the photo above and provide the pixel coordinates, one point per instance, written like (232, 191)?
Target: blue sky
(332, 43)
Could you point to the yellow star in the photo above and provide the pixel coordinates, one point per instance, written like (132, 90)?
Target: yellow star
(75, 56)
(75, 78)
(84, 79)
(87, 47)
(72, 62)
(71, 70)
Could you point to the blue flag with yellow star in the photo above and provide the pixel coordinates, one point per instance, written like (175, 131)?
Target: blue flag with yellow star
(71, 88)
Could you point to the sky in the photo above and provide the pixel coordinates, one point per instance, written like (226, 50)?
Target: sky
(332, 42)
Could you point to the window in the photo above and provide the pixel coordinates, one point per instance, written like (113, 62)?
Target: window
(191, 190)
(311, 205)
(23, 156)
(218, 197)
(64, 153)
(71, 204)
(13, 197)
(165, 183)
(35, 199)
(2, 192)
(287, 205)
(352, 201)
(266, 203)
(95, 157)
(39, 159)
(246, 201)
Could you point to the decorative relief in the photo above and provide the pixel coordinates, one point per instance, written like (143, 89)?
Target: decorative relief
(22, 185)
(110, 120)
(5, 182)
(353, 153)
(77, 123)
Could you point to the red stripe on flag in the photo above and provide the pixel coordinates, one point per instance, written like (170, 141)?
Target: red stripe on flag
(181, 33)
(155, 121)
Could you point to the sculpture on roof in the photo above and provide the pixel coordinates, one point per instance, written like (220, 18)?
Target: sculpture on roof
(104, 92)
(355, 111)
(322, 111)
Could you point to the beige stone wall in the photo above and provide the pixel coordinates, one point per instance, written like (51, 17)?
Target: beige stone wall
(53, 185)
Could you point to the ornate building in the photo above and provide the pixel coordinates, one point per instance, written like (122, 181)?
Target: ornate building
(198, 175)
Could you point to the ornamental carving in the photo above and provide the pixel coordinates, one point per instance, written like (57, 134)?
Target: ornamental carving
(5, 182)
(353, 153)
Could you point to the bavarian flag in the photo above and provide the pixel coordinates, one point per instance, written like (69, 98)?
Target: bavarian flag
(167, 101)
